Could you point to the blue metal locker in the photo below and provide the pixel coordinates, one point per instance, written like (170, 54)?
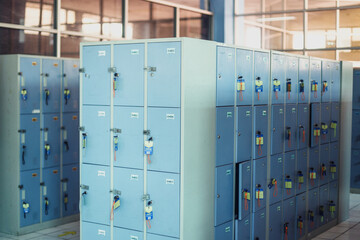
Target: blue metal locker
(242, 228)
(29, 92)
(129, 144)
(51, 81)
(275, 223)
(164, 126)
(334, 122)
(50, 194)
(224, 231)
(244, 74)
(303, 84)
(277, 126)
(291, 84)
(289, 188)
(277, 78)
(96, 135)
(29, 193)
(313, 173)
(244, 181)
(355, 136)
(303, 126)
(325, 131)
(301, 178)
(164, 73)
(259, 187)
(96, 88)
(324, 165)
(261, 77)
(260, 129)
(275, 183)
(130, 183)
(323, 204)
(289, 221)
(333, 200)
(224, 135)
(325, 81)
(313, 209)
(334, 161)
(50, 145)
(355, 169)
(92, 231)
(70, 138)
(128, 77)
(70, 85)
(29, 135)
(164, 191)
(70, 189)
(95, 194)
(300, 215)
(335, 82)
(121, 233)
(157, 237)
(356, 92)
(315, 132)
(315, 80)
(225, 72)
(224, 195)
(290, 127)
(259, 225)
(244, 130)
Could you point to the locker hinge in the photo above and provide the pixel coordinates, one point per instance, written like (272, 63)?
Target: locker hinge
(115, 192)
(81, 70)
(146, 197)
(115, 130)
(85, 187)
(150, 69)
(146, 132)
(64, 180)
(112, 69)
(22, 131)
(81, 129)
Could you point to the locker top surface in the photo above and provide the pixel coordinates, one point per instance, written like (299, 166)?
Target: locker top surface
(38, 56)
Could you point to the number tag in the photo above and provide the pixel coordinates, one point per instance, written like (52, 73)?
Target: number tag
(259, 86)
(116, 202)
(259, 194)
(149, 149)
(288, 183)
(277, 85)
(26, 207)
(149, 213)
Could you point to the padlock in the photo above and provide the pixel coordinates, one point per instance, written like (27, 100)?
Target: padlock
(116, 202)
(288, 182)
(259, 139)
(240, 84)
(149, 147)
(84, 139)
(314, 86)
(116, 143)
(301, 86)
(149, 215)
(300, 177)
(24, 95)
(276, 85)
(259, 85)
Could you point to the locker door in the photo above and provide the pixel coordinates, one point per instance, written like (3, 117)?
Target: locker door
(225, 76)
(224, 195)
(131, 184)
(303, 126)
(277, 126)
(315, 80)
(224, 136)
(260, 130)
(70, 189)
(355, 169)
(51, 81)
(130, 145)
(120, 233)
(224, 231)
(164, 190)
(164, 126)
(334, 161)
(261, 77)
(300, 215)
(96, 121)
(275, 223)
(259, 184)
(325, 131)
(244, 126)
(301, 178)
(29, 148)
(129, 62)
(291, 84)
(95, 194)
(29, 194)
(164, 80)
(275, 184)
(313, 209)
(324, 167)
(70, 82)
(244, 174)
(244, 73)
(289, 188)
(290, 127)
(157, 237)
(323, 204)
(277, 78)
(51, 193)
(355, 136)
(315, 125)
(30, 82)
(303, 83)
(51, 140)
(70, 138)
(259, 225)
(92, 231)
(335, 82)
(313, 173)
(335, 122)
(289, 207)
(242, 228)
(333, 199)
(326, 81)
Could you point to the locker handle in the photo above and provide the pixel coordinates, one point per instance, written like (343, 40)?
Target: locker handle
(64, 180)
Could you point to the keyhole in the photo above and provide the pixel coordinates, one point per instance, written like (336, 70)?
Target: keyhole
(218, 136)
(218, 196)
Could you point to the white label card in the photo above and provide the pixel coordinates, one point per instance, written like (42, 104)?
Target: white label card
(23, 195)
(101, 113)
(45, 82)
(65, 187)
(135, 52)
(44, 190)
(45, 136)
(65, 134)
(101, 173)
(170, 116)
(134, 115)
(101, 232)
(134, 177)
(170, 50)
(22, 138)
(170, 181)
(36, 111)
(101, 53)
(22, 80)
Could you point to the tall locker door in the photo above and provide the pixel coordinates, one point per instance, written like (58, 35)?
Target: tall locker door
(303, 126)
(224, 194)
(260, 129)
(224, 231)
(355, 136)
(70, 84)
(313, 209)
(325, 123)
(259, 184)
(120, 233)
(290, 127)
(164, 126)
(324, 168)
(96, 85)
(259, 225)
(128, 79)
(244, 74)
(51, 140)
(29, 194)
(129, 144)
(244, 130)
(244, 174)
(289, 208)
(96, 135)
(164, 77)
(92, 231)
(277, 129)
(291, 84)
(315, 80)
(303, 83)
(300, 216)
(29, 92)
(95, 194)
(333, 199)
(277, 78)
(335, 82)
(275, 184)
(51, 194)
(301, 178)
(334, 161)
(261, 77)
(131, 184)
(323, 204)
(242, 228)
(325, 81)
(289, 188)
(51, 82)
(225, 80)
(29, 148)
(334, 124)
(315, 132)
(224, 136)
(275, 223)
(70, 138)
(313, 173)
(164, 190)
(70, 190)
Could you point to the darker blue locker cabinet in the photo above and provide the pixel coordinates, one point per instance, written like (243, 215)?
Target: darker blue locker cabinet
(277, 129)
(301, 178)
(50, 194)
(51, 81)
(224, 231)
(29, 135)
(275, 183)
(313, 209)
(323, 204)
(325, 81)
(300, 224)
(324, 167)
(244, 181)
(315, 132)
(275, 224)
(334, 161)
(291, 83)
(260, 131)
(51, 140)
(259, 225)
(290, 127)
(259, 184)
(244, 73)
(224, 136)
(335, 122)
(303, 130)
(356, 92)
(242, 228)
(325, 123)
(92, 231)
(355, 136)
(313, 174)
(335, 82)
(289, 221)
(315, 80)
(129, 63)
(70, 138)
(70, 85)
(224, 194)
(120, 233)
(70, 189)
(244, 130)
(261, 77)
(29, 194)
(288, 182)
(333, 200)
(277, 78)
(303, 83)
(225, 82)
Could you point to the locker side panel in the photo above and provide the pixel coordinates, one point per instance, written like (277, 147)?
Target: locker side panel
(261, 77)
(259, 184)
(223, 194)
(70, 138)
(224, 231)
(259, 225)
(244, 189)
(335, 122)
(92, 231)
(70, 190)
(289, 188)
(277, 78)
(260, 130)
(277, 125)
(51, 80)
(313, 173)
(51, 193)
(225, 81)
(244, 129)
(325, 123)
(29, 149)
(275, 183)
(290, 128)
(70, 81)
(326, 81)
(315, 80)
(303, 126)
(300, 215)
(291, 84)
(315, 125)
(224, 135)
(289, 207)
(244, 72)
(301, 171)
(303, 91)
(275, 223)
(51, 140)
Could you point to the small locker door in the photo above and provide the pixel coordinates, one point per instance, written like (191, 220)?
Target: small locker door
(277, 78)
(275, 223)
(244, 174)
(51, 140)
(70, 138)
(50, 194)
(259, 184)
(323, 204)
(51, 82)
(315, 133)
(313, 173)
(334, 161)
(275, 184)
(29, 142)
(92, 231)
(288, 228)
(301, 171)
(333, 199)
(291, 84)
(325, 123)
(277, 126)
(244, 73)
(324, 167)
(289, 188)
(335, 82)
(261, 77)
(121, 233)
(70, 190)
(290, 127)
(335, 122)
(313, 209)
(224, 231)
(70, 84)
(224, 136)
(303, 126)
(260, 132)
(225, 72)
(300, 215)
(326, 81)
(242, 228)
(315, 80)
(259, 225)
(303, 83)
(244, 129)
(224, 196)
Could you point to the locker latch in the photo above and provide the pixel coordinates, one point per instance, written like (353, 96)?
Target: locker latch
(115, 192)
(146, 197)
(333, 126)
(146, 132)
(240, 87)
(112, 69)
(150, 69)
(81, 70)
(81, 129)
(323, 171)
(64, 180)
(302, 89)
(276, 87)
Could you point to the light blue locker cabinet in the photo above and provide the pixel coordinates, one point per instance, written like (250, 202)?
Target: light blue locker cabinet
(70, 183)
(325, 131)
(225, 80)
(324, 166)
(50, 192)
(325, 81)
(303, 83)
(291, 83)
(334, 122)
(50, 145)
(275, 183)
(315, 132)
(29, 193)
(278, 61)
(334, 161)
(244, 131)
(303, 126)
(259, 225)
(301, 179)
(51, 80)
(335, 82)
(260, 130)
(323, 204)
(276, 224)
(244, 183)
(259, 187)
(355, 136)
(289, 177)
(277, 129)
(261, 77)
(70, 85)
(128, 78)
(120, 233)
(300, 224)
(313, 209)
(289, 221)
(129, 143)
(242, 228)
(93, 231)
(224, 231)
(224, 196)
(313, 173)
(224, 135)
(29, 135)
(70, 138)
(315, 80)
(244, 74)
(290, 127)
(333, 200)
